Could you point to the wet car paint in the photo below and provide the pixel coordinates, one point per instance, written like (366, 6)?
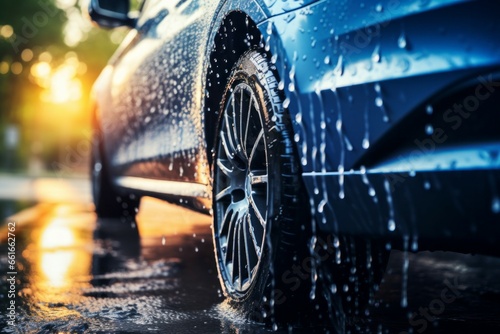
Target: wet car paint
(364, 82)
(80, 274)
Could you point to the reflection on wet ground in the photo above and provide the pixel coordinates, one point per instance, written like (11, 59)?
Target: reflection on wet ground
(82, 275)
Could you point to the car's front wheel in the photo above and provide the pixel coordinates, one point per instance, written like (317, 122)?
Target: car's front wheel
(266, 252)
(257, 228)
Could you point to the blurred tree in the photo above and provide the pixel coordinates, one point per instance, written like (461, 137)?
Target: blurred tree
(32, 25)
(37, 37)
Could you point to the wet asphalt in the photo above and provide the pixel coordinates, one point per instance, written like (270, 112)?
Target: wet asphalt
(80, 274)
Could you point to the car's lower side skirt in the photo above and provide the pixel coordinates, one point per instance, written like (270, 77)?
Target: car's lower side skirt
(163, 187)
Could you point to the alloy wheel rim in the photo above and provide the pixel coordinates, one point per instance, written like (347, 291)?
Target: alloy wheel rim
(241, 190)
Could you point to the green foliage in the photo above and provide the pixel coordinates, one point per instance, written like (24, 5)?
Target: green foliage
(35, 23)
(38, 26)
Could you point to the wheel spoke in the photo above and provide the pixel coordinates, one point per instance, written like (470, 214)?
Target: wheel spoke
(227, 147)
(223, 168)
(225, 219)
(240, 262)
(253, 237)
(234, 130)
(257, 211)
(230, 235)
(233, 254)
(245, 138)
(247, 253)
(260, 137)
(230, 129)
(240, 116)
(232, 211)
(258, 179)
(223, 193)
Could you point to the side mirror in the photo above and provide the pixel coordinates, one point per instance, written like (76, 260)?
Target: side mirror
(111, 13)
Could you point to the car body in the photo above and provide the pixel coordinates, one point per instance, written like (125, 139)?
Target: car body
(393, 107)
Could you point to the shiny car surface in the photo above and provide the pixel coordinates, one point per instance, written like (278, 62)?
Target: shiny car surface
(363, 121)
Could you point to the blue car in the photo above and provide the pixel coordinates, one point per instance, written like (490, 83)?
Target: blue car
(319, 134)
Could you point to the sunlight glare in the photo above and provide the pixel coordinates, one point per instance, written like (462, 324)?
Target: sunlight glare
(61, 84)
(57, 235)
(56, 259)
(55, 266)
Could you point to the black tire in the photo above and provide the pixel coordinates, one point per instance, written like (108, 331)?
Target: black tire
(257, 194)
(107, 201)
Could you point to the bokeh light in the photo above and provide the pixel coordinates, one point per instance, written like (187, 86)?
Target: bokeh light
(6, 31)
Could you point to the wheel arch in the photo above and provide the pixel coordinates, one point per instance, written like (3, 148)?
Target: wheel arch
(237, 33)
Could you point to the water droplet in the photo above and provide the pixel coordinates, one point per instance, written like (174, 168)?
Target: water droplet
(290, 17)
(379, 8)
(286, 103)
(163, 240)
(366, 143)
(348, 144)
(427, 185)
(379, 102)
(327, 60)
(336, 242)
(376, 55)
(495, 205)
(321, 206)
(391, 225)
(404, 280)
(429, 129)
(333, 288)
(269, 29)
(414, 244)
(402, 42)
(281, 85)
(429, 109)
(338, 125)
(339, 68)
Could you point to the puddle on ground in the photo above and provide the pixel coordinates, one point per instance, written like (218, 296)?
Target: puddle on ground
(79, 274)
